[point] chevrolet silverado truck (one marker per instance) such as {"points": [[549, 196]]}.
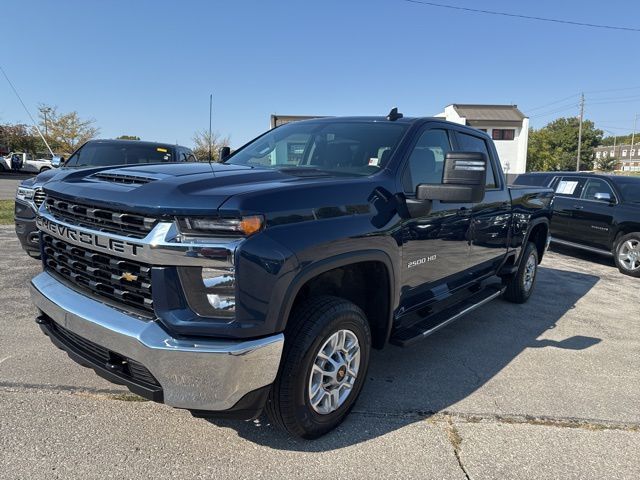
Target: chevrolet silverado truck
{"points": [[598, 213], [265, 281], [29, 194]]}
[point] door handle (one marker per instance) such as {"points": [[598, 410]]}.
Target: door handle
{"points": [[578, 207]]}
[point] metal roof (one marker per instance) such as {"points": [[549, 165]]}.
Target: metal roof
{"points": [[490, 113]]}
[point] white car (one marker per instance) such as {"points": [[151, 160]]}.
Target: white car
{"points": [[27, 163]]}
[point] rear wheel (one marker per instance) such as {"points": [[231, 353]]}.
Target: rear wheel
{"points": [[323, 368], [627, 254], [520, 285]]}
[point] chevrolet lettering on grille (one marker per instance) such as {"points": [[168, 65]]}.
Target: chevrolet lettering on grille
{"points": [[98, 242]]}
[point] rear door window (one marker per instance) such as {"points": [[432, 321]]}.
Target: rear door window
{"points": [[570, 187]]}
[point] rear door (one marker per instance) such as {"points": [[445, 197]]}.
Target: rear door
{"points": [[566, 202], [490, 219], [592, 220]]}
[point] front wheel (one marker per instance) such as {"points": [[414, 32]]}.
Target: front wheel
{"points": [[323, 368], [627, 254], [520, 285]]}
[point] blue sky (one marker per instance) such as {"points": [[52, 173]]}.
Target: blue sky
{"points": [[146, 68]]}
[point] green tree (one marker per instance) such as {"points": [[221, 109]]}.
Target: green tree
{"points": [[65, 131], [555, 146], [201, 142], [620, 140], [127, 137], [607, 164], [20, 138]]}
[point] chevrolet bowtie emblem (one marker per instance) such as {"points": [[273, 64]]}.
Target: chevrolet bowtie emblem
{"points": [[129, 277]]}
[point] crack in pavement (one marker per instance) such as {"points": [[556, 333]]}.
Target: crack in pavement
{"points": [[445, 416], [456, 442], [517, 419]]}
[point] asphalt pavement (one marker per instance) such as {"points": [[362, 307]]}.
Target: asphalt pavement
{"points": [[549, 389], [9, 183]]}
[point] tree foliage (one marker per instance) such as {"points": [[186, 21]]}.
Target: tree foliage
{"points": [[65, 131], [201, 142], [555, 146], [19, 138], [620, 140], [606, 164]]}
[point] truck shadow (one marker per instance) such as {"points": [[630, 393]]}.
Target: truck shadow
{"points": [[411, 384], [583, 255]]}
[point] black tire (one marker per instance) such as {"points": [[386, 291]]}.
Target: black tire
{"points": [[289, 404], [623, 242], [519, 288]]}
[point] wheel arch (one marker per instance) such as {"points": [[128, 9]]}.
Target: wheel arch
{"points": [[378, 308]]}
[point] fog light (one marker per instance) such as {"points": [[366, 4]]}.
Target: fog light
{"points": [[219, 285]]}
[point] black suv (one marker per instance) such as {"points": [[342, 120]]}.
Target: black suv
{"points": [[599, 213], [94, 153]]}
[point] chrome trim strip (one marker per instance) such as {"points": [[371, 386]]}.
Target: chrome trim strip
{"points": [[159, 247], [196, 374], [582, 247], [464, 312]]}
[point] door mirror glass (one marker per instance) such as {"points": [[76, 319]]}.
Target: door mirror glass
{"points": [[603, 197], [463, 179]]}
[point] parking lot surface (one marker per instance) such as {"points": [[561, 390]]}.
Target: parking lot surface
{"points": [[9, 183], [549, 389]]}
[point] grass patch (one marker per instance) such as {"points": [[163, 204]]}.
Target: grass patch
{"points": [[6, 212]]}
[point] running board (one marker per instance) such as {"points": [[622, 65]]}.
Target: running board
{"points": [[582, 247], [433, 323]]}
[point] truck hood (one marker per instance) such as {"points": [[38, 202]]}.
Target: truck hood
{"points": [[175, 189]]}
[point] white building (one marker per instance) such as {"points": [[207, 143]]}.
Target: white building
{"points": [[507, 125]]}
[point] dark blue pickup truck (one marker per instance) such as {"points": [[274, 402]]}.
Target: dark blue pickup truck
{"points": [[264, 282]]}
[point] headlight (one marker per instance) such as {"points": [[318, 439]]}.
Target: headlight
{"points": [[210, 292], [25, 193], [247, 225]]}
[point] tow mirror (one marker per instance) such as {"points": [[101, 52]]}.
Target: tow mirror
{"points": [[603, 197], [463, 180], [224, 153]]}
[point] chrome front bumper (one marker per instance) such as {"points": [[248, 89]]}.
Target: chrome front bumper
{"points": [[197, 374]]}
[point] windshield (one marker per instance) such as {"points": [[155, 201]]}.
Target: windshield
{"points": [[339, 148], [107, 154], [630, 189]]}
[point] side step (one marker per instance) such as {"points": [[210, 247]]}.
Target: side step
{"points": [[433, 323]]}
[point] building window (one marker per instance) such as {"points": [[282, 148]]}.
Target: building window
{"points": [[624, 153], [503, 134]]}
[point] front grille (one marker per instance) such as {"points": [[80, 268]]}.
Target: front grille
{"points": [[101, 219], [38, 197], [102, 275], [101, 356]]}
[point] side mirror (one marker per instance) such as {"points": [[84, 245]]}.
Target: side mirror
{"points": [[463, 181], [224, 153], [603, 197], [56, 162]]}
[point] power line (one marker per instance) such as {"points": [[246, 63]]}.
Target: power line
{"points": [[561, 109], [552, 103], [526, 17], [26, 110]]}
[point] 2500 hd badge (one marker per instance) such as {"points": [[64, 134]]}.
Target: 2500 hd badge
{"points": [[80, 237]]}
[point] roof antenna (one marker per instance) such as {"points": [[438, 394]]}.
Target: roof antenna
{"points": [[394, 115]]}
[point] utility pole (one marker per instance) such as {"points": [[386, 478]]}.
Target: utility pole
{"points": [[633, 135], [580, 131], [210, 115], [46, 110]]}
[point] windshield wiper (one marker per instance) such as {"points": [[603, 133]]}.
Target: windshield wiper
{"points": [[305, 170]]}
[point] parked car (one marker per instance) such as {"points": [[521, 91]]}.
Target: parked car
{"points": [[597, 213], [25, 163], [94, 153], [265, 281]]}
